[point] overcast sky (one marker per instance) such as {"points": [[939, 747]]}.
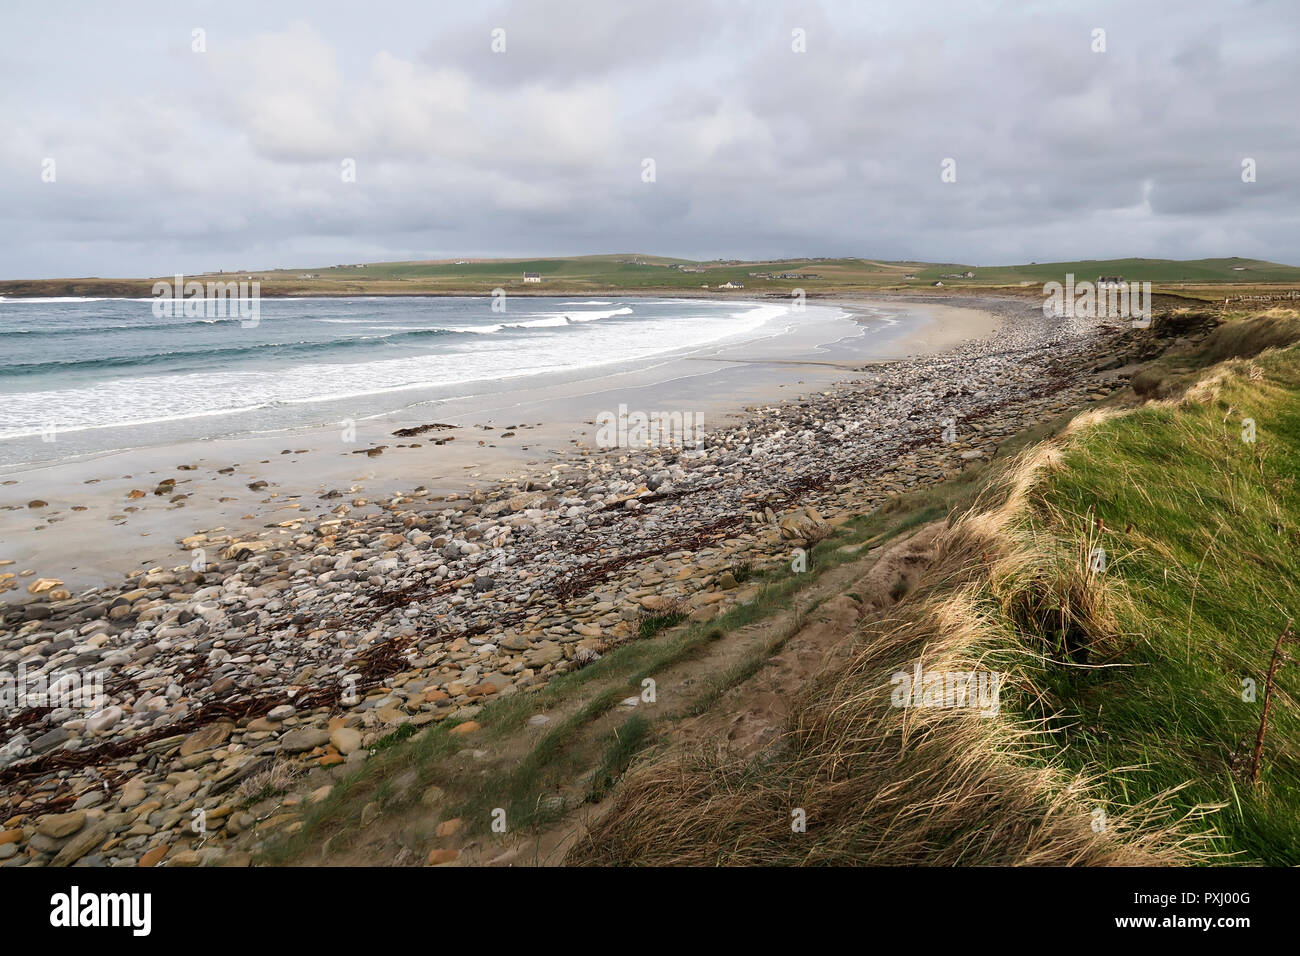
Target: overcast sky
{"points": [[166, 159]]}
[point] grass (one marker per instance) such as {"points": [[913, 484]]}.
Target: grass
{"points": [[1205, 534], [640, 273], [1126, 681], [745, 571], [528, 790], [651, 624], [623, 745]]}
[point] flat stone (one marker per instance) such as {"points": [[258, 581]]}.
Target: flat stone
{"points": [[81, 844], [345, 739], [308, 738], [60, 825], [50, 739], [155, 856], [206, 738]]}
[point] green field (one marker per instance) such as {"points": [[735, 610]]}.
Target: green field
{"points": [[635, 273]]}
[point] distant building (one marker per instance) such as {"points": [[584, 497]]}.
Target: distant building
{"points": [[1107, 281], [936, 282], [732, 285], [532, 277]]}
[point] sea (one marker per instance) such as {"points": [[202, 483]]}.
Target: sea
{"points": [[80, 376]]}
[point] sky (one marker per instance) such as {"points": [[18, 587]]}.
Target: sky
{"points": [[149, 138]]}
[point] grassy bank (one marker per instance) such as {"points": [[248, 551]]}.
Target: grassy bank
{"points": [[1129, 580]]}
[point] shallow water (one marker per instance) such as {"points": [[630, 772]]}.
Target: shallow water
{"points": [[82, 376]]}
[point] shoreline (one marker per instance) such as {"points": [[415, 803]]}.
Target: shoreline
{"points": [[91, 533], [308, 640]]}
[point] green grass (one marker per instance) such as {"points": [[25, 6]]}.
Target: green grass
{"points": [[654, 623], [1139, 270], [623, 745], [631, 271], [641, 273], [1205, 581]]}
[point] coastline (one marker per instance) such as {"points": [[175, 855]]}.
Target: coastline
{"points": [[91, 532], [307, 640]]}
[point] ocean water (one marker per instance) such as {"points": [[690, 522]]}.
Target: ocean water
{"points": [[80, 376]]}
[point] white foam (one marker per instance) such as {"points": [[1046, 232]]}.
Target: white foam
{"points": [[150, 399]]}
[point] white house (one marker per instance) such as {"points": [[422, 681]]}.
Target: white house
{"points": [[532, 277]]}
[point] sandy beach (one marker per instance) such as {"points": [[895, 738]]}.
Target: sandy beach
{"points": [[110, 514], [294, 600]]}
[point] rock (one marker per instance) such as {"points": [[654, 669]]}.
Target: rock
{"points": [[41, 585], [91, 798], [207, 738], [545, 653], [439, 857], [449, 827], [468, 727], [433, 796], [60, 825], [155, 856], [345, 739], [308, 738], [804, 523], [81, 844], [229, 778], [50, 739], [526, 500], [104, 719]]}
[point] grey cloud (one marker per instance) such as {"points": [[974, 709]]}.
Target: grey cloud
{"points": [[174, 160]]}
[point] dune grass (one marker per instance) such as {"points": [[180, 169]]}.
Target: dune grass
{"points": [[1202, 531], [1129, 581]]}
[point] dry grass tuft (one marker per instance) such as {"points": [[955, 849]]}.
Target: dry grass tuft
{"points": [[882, 784]]}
